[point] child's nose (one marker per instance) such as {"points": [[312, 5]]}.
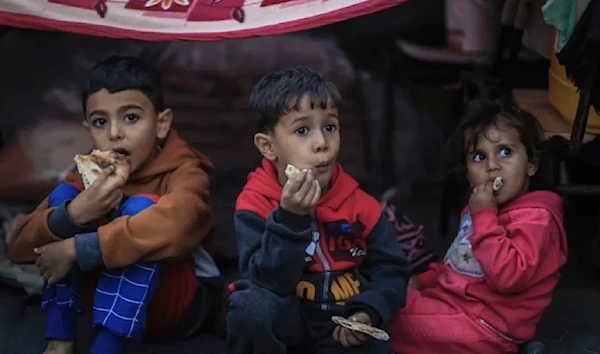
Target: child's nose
{"points": [[320, 143], [115, 132], [493, 164]]}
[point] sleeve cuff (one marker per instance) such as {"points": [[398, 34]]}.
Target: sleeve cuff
{"points": [[483, 220], [484, 213], [87, 249], [60, 223], [294, 221], [427, 279]]}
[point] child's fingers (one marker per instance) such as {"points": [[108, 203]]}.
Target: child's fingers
{"points": [[353, 338], [308, 198], [306, 186], [488, 186], [343, 339], [46, 276], [38, 261], [103, 176], [483, 188], [317, 195], [116, 201], [113, 182], [43, 269], [336, 333], [360, 337], [115, 197], [52, 279], [293, 185]]}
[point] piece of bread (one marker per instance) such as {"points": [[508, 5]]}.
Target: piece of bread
{"points": [[91, 166], [361, 327], [291, 171], [498, 183]]}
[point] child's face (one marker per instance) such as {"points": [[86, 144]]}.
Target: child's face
{"points": [[500, 152], [126, 122], [308, 139]]}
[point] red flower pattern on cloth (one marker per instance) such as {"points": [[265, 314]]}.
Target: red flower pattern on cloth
{"points": [[177, 6], [166, 4]]}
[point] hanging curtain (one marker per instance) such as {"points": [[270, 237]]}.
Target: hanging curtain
{"points": [[168, 20]]}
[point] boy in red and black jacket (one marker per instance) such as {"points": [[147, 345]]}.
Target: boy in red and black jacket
{"points": [[312, 246]]}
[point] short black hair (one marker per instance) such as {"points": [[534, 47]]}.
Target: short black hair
{"points": [[280, 91], [480, 114], [119, 73]]}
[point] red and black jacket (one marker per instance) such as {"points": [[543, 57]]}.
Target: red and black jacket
{"points": [[344, 257]]}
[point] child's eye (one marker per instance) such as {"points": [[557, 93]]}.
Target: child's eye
{"points": [[99, 122], [302, 131], [330, 128], [505, 152], [131, 118], [478, 157]]}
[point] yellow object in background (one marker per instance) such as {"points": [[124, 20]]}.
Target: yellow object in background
{"points": [[564, 97]]}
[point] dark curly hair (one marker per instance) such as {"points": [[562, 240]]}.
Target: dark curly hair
{"points": [[279, 92], [480, 114]]}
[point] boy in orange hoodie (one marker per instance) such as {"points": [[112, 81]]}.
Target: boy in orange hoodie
{"points": [[497, 277], [134, 251]]}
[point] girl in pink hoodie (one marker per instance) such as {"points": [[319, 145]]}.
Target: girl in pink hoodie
{"points": [[490, 290]]}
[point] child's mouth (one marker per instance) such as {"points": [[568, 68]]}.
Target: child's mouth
{"points": [[322, 167], [124, 153]]}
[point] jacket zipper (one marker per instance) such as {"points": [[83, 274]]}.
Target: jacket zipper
{"points": [[502, 335], [326, 267]]}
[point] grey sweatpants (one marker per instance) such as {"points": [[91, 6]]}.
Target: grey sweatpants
{"points": [[261, 322]]}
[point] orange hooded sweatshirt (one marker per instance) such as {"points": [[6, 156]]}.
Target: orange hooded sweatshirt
{"points": [[173, 228]]}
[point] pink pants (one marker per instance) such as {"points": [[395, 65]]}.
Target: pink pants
{"points": [[429, 326]]}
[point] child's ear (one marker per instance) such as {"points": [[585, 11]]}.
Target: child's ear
{"points": [[86, 124], [264, 144], [163, 123], [532, 167]]}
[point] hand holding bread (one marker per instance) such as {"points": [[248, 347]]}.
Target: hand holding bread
{"points": [[301, 192], [104, 174]]}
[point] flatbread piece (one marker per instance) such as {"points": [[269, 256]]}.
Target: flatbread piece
{"points": [[498, 183], [362, 328], [90, 166], [291, 171]]}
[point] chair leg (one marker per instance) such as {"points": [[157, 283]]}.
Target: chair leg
{"points": [[508, 17], [563, 172], [595, 250], [580, 122], [498, 64]]}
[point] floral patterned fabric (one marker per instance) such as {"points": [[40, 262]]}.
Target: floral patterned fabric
{"points": [[183, 19]]}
